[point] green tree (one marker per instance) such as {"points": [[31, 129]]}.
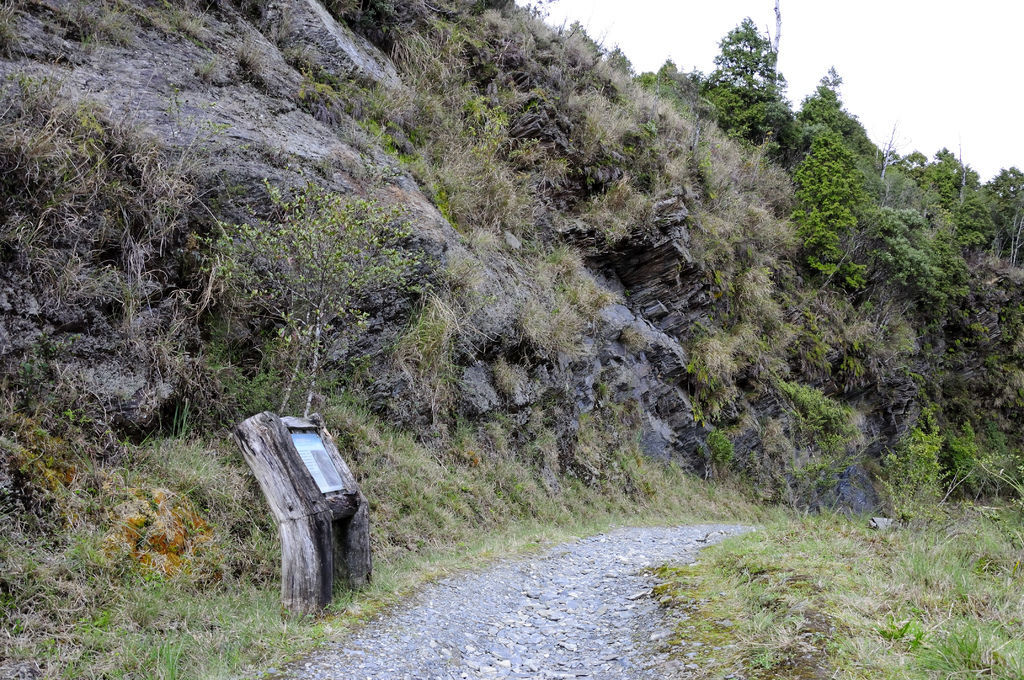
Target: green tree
{"points": [[618, 60], [748, 91], [924, 260], [671, 84], [828, 195], [310, 266], [1005, 194], [972, 220], [823, 111], [945, 178], [953, 190]]}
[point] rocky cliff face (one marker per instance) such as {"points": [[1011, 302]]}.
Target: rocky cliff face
{"points": [[130, 130], [204, 113]]}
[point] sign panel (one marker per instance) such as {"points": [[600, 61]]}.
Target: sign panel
{"points": [[314, 456]]}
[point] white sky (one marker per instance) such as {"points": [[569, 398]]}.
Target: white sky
{"points": [[949, 73]]}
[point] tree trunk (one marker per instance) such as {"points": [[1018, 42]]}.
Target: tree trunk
{"points": [[1018, 238], [303, 519], [295, 371], [323, 536], [315, 366], [889, 151], [963, 176]]}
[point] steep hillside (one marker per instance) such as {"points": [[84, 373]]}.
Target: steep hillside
{"points": [[548, 275]]}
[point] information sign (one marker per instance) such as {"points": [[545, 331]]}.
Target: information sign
{"points": [[314, 455]]}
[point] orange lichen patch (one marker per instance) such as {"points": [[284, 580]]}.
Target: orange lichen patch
{"points": [[161, 530]]}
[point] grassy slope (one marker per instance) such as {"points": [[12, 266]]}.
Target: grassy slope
{"points": [[817, 597]]}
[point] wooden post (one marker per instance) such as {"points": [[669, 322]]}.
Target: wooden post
{"points": [[322, 534], [352, 562]]}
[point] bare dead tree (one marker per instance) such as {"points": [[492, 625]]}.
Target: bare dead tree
{"points": [[778, 29], [890, 155], [963, 173], [889, 152], [1017, 240]]}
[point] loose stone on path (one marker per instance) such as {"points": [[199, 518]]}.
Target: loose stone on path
{"points": [[579, 610]]}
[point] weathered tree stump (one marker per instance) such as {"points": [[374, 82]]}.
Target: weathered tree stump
{"points": [[321, 513]]}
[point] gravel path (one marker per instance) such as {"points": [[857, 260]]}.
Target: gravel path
{"points": [[576, 611]]}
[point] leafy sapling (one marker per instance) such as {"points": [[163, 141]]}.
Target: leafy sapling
{"points": [[309, 267]]}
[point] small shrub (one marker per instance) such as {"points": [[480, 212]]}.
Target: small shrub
{"points": [[960, 455], [721, 449], [913, 471], [821, 421], [322, 101], [310, 268]]}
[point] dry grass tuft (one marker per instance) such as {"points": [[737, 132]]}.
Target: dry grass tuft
{"points": [[553, 331], [564, 301], [249, 57], [95, 209], [619, 212], [8, 28], [98, 22], [633, 339], [508, 378], [207, 71], [188, 22], [715, 360], [424, 351]]}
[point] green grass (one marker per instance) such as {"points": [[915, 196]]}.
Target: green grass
{"points": [[827, 597]]}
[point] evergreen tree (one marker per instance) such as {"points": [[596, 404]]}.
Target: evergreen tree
{"points": [[828, 194], [924, 261], [824, 111], [748, 91], [952, 189]]}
